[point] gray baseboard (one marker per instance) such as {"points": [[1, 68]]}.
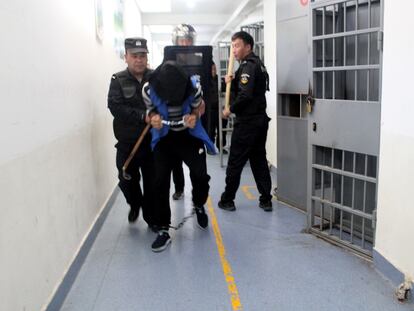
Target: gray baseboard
{"points": [[70, 277], [387, 269]]}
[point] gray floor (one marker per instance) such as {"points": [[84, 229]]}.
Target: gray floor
{"points": [[274, 265]]}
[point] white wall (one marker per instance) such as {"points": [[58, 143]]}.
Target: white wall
{"points": [[254, 16], [269, 14], [395, 226], [57, 163], [132, 17]]}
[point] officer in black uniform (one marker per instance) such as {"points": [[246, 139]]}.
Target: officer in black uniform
{"points": [[128, 108], [248, 141], [183, 35]]}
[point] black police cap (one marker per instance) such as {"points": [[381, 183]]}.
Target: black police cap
{"points": [[136, 45]]}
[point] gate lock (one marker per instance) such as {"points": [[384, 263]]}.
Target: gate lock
{"points": [[310, 101]]}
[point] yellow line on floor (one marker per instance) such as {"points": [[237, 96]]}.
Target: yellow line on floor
{"points": [[228, 274], [247, 193]]}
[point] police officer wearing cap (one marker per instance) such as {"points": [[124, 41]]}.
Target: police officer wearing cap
{"points": [[248, 141], [128, 109]]}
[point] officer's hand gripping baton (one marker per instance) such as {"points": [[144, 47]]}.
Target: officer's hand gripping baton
{"points": [[134, 150]]}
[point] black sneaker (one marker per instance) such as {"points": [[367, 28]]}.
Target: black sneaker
{"points": [[228, 206], [133, 214], [178, 195], [266, 206], [202, 218], [161, 242]]}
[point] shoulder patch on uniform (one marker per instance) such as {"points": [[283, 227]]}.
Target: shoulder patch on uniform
{"points": [[244, 78]]}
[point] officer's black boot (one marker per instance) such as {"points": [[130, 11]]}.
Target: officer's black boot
{"points": [[226, 204], [133, 214], [202, 218], [266, 206]]}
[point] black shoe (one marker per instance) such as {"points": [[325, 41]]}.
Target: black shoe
{"points": [[133, 214], [228, 206], [161, 242], [266, 206], [202, 218], [178, 195]]}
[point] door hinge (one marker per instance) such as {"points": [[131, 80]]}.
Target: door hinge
{"points": [[380, 41], [374, 219]]}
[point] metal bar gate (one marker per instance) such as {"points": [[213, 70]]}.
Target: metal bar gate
{"points": [[345, 74]]}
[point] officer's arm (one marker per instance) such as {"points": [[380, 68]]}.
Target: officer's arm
{"points": [[117, 106], [200, 110], [198, 97], [153, 117], [197, 108], [245, 86], [198, 105], [151, 109]]}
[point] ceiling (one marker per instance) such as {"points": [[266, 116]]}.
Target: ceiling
{"points": [[212, 19]]}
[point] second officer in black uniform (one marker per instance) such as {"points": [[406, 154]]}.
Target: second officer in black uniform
{"points": [[126, 105], [248, 141]]}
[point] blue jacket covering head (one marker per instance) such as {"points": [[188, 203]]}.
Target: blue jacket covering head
{"points": [[170, 84]]}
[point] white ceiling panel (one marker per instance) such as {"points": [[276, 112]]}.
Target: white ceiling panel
{"points": [[212, 19]]}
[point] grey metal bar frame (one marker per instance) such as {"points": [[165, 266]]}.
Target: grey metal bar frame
{"points": [[351, 218]]}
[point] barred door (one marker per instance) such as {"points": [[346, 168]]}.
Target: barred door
{"points": [[223, 55], [344, 123], [256, 30]]}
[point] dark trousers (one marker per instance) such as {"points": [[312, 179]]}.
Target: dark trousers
{"points": [[248, 142], [178, 176], [141, 164], [177, 171], [171, 148], [215, 130]]}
